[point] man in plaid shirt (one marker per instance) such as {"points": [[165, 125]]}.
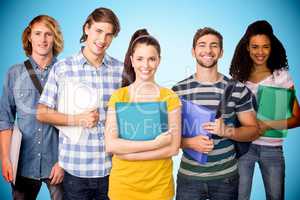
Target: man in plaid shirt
{"points": [[85, 163]]}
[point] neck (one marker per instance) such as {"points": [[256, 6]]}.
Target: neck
{"points": [[42, 60], [260, 68], [207, 74], [94, 60]]}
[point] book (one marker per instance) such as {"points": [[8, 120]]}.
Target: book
{"points": [[275, 103], [141, 121], [193, 116], [15, 146]]}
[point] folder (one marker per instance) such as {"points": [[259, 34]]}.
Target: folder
{"points": [[15, 146], [76, 97], [141, 121], [275, 104], [193, 116]]}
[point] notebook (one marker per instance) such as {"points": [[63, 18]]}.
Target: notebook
{"points": [[275, 104], [193, 116], [141, 120]]}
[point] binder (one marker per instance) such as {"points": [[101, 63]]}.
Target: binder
{"points": [[141, 121], [193, 116], [15, 146], [275, 104]]}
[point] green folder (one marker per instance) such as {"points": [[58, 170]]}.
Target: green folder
{"points": [[141, 121], [275, 104]]}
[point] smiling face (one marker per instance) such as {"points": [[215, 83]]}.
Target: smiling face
{"points": [[259, 49], [207, 51], [42, 40], [145, 60], [99, 38]]}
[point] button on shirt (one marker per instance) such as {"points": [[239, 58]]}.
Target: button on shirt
{"points": [[87, 158], [39, 149]]}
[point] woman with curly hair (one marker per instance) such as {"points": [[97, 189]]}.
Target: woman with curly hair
{"points": [[260, 59]]}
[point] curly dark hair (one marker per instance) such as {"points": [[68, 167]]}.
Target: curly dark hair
{"points": [[242, 65]]}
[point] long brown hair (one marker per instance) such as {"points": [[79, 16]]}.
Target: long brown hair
{"points": [[141, 36]]}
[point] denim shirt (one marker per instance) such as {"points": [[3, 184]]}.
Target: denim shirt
{"points": [[39, 147]]}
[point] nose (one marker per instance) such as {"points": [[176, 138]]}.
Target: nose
{"points": [[207, 49]]}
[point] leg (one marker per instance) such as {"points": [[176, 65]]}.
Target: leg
{"points": [[224, 189], [246, 166], [272, 166], [56, 191], [101, 189], [76, 188], [188, 189], [26, 188]]}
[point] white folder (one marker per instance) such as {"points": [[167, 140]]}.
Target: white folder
{"points": [[15, 146], [75, 97]]}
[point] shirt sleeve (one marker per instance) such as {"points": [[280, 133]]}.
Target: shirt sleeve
{"points": [[246, 101], [7, 103], [115, 97], [50, 91], [172, 100]]}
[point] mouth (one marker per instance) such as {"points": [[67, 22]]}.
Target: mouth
{"points": [[260, 58], [145, 72], [100, 46]]}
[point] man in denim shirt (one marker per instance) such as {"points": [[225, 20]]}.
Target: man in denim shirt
{"points": [[42, 42]]}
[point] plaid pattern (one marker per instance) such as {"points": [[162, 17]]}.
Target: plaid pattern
{"points": [[87, 158]]}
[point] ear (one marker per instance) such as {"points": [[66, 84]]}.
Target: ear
{"points": [[193, 52], [86, 28], [131, 58], [221, 53]]}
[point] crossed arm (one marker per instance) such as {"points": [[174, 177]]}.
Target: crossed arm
{"points": [[164, 146]]}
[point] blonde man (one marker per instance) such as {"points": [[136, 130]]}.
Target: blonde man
{"points": [[42, 42]]}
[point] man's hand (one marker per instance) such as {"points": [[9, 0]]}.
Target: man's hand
{"points": [[88, 119], [7, 172], [201, 143], [219, 128], [56, 175]]}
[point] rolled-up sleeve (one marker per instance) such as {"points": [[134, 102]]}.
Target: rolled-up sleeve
{"points": [[7, 103]]}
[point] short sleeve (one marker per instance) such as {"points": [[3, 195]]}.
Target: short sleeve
{"points": [[49, 95], [246, 100], [283, 78], [117, 96], [171, 98]]}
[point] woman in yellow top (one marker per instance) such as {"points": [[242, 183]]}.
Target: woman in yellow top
{"points": [[142, 170]]}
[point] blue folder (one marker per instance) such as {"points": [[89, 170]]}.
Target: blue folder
{"points": [[141, 120], [193, 116]]}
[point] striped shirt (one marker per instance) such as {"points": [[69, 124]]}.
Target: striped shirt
{"points": [[87, 158], [221, 162], [279, 78]]}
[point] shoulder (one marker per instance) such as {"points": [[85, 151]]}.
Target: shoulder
{"points": [[166, 92], [283, 78], [111, 61], [183, 84]]}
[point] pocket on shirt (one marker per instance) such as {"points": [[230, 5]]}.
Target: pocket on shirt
{"points": [[24, 99]]}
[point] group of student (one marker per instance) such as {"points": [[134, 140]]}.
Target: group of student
{"points": [[105, 166]]}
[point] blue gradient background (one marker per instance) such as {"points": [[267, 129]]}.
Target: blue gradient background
{"points": [[174, 24]]}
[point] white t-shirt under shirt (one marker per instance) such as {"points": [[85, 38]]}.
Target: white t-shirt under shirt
{"points": [[279, 78]]}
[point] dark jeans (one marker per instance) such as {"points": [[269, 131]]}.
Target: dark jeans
{"points": [[272, 166], [76, 188], [221, 189], [28, 189]]}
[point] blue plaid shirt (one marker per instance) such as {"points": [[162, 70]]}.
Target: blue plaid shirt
{"points": [[39, 149], [87, 158]]}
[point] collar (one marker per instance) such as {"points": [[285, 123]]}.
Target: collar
{"points": [[83, 61], [36, 66]]}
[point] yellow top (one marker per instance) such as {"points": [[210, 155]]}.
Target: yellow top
{"points": [[142, 180]]}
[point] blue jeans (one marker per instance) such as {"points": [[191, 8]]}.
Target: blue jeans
{"points": [[272, 166], [76, 188], [28, 189], [221, 189]]}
